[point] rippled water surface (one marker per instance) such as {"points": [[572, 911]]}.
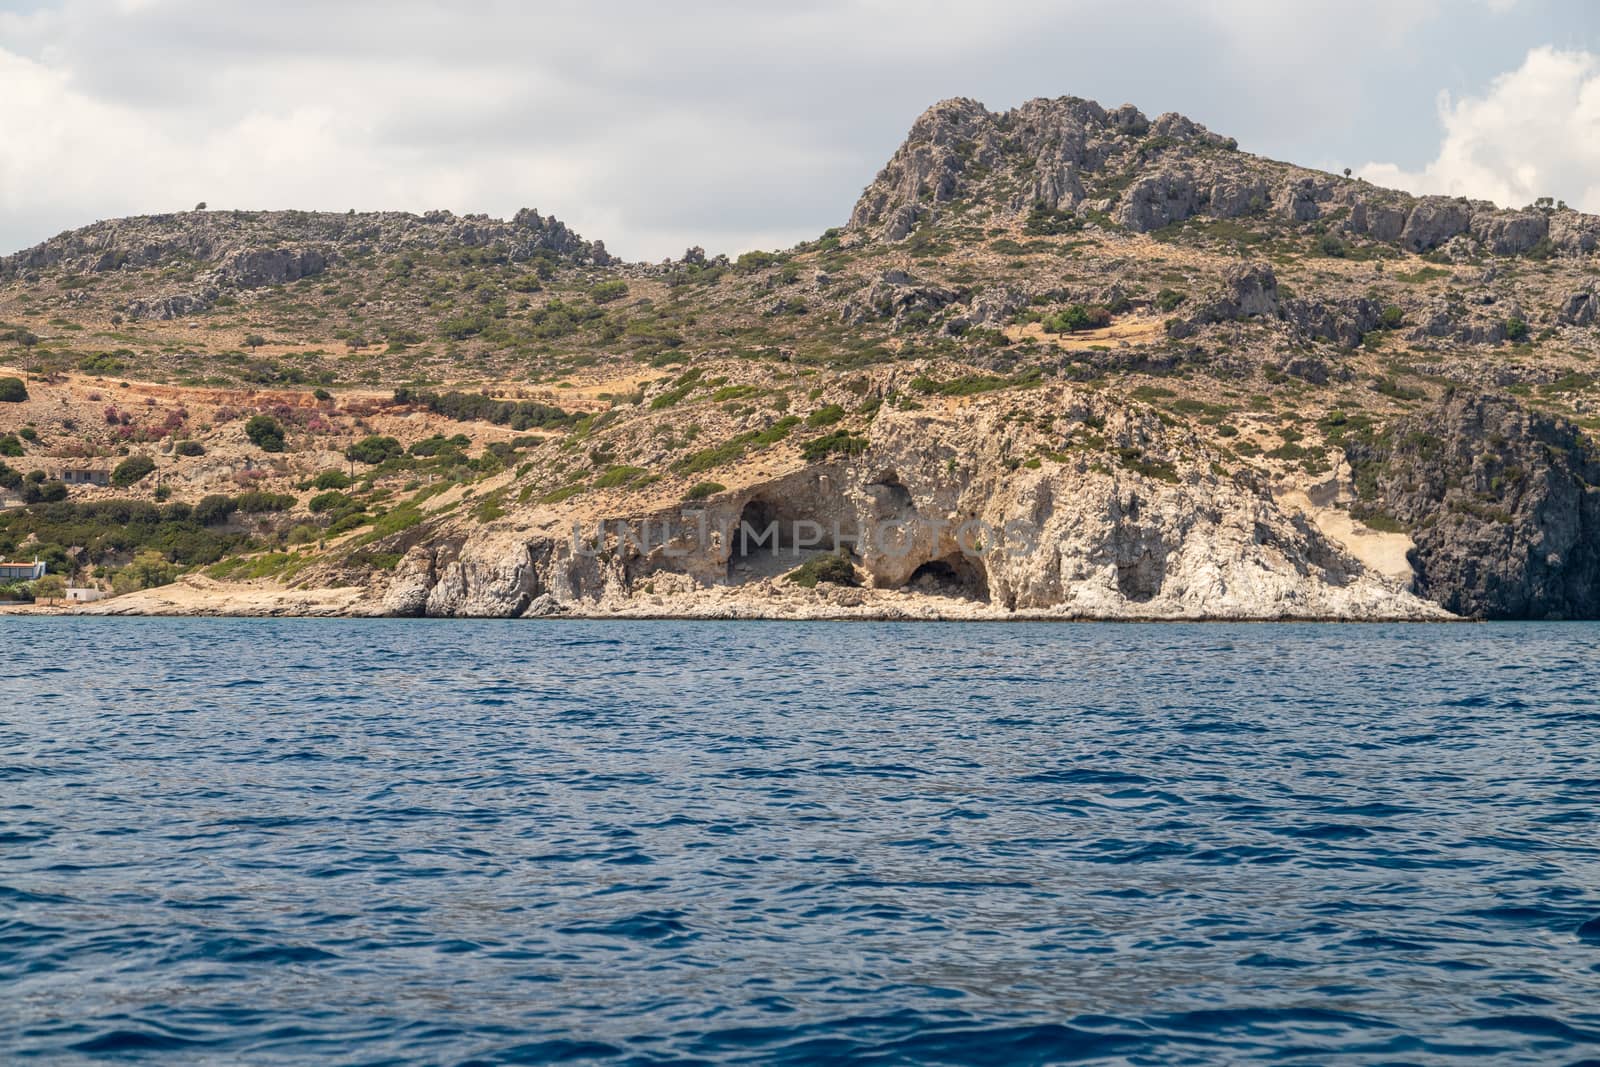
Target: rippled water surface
{"points": [[403, 841]]}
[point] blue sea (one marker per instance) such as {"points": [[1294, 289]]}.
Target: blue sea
{"points": [[413, 842]]}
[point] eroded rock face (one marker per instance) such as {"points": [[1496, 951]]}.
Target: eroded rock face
{"points": [[1504, 504], [1579, 309], [251, 268], [1159, 200], [936, 504], [1510, 233], [1435, 220]]}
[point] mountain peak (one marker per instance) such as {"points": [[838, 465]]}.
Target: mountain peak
{"points": [[1042, 152], [1066, 162]]}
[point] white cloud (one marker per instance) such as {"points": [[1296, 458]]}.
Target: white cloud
{"points": [[730, 124], [1535, 132]]}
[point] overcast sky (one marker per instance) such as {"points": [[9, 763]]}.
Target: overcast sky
{"points": [[737, 124]]}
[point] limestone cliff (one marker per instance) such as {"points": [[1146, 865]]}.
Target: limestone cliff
{"points": [[939, 521]]}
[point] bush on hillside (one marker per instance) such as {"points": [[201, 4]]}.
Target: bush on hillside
{"points": [[265, 432], [132, 471], [374, 449]]}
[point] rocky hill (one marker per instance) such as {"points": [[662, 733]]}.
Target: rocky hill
{"points": [[1190, 381]]}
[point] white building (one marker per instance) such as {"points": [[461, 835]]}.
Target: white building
{"points": [[13, 571]]}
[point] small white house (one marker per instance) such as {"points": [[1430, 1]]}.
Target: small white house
{"points": [[85, 595]]}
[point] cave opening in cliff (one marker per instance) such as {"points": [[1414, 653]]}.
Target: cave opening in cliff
{"points": [[763, 541], [956, 575]]}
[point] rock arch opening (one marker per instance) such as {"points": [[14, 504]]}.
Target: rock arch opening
{"points": [[955, 575], [763, 540]]}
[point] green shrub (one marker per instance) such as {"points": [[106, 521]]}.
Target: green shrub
{"points": [[701, 490], [1075, 318], [103, 362], [840, 441], [43, 492], [833, 568], [331, 479], [328, 501], [1383, 523], [1516, 330], [132, 471], [378, 561], [566, 492], [256, 502], [12, 391], [478, 407], [374, 449], [213, 510], [1392, 317], [1169, 299], [825, 416], [606, 292], [10, 445], [672, 396], [749, 262], [439, 443], [347, 522], [189, 448], [265, 432], [618, 476]]}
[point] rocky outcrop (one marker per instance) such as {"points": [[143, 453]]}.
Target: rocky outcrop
{"points": [[1158, 200], [1342, 322], [936, 506], [251, 268], [253, 248], [1574, 232], [176, 306], [895, 295], [1069, 154], [1434, 221], [1377, 218], [1509, 233], [957, 147], [1457, 321], [1249, 290], [1579, 309], [1504, 505]]}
